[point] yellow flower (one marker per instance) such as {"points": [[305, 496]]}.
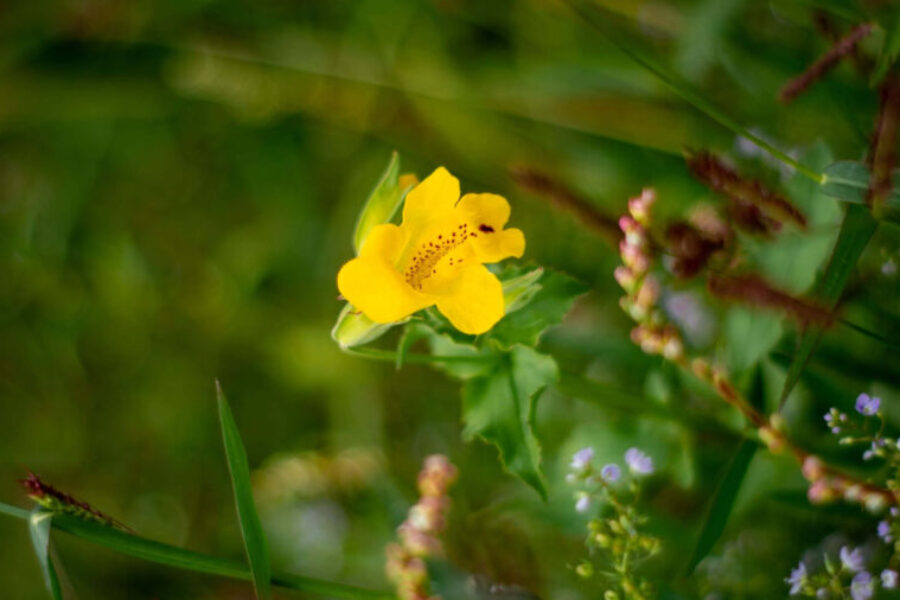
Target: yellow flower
{"points": [[435, 257]]}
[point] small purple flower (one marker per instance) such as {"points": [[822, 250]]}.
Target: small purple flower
{"points": [[822, 594], [852, 560], [638, 462], [895, 511], [867, 405], [582, 458], [611, 473], [583, 503], [889, 579], [797, 579], [862, 587], [884, 532]]}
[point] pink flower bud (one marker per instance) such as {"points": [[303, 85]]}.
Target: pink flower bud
{"points": [[813, 469], [625, 278]]}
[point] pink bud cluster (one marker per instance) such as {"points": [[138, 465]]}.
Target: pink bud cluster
{"points": [[642, 289], [827, 486], [419, 533]]}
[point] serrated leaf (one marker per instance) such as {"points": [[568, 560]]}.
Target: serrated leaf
{"points": [[383, 201], [500, 407], [251, 527], [547, 307], [39, 522], [848, 180], [857, 229], [473, 361]]}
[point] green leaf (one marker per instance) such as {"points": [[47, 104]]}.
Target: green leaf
{"points": [[848, 180], [547, 307], [39, 522], [723, 502], [500, 408], [747, 336], [857, 229], [251, 527], [164, 554], [791, 260], [383, 201]]}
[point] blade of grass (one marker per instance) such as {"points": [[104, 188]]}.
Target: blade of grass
{"points": [[39, 522], [723, 502], [164, 554], [251, 527], [601, 20], [857, 229], [727, 491]]}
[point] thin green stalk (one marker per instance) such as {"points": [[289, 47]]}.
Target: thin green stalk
{"points": [[682, 89], [391, 356], [164, 554]]}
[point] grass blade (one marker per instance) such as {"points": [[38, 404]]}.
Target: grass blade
{"points": [[39, 522], [857, 229], [251, 527], [723, 502], [171, 556]]}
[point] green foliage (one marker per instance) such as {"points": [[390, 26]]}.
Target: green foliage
{"points": [[848, 180], [39, 522], [528, 319], [723, 502], [792, 259], [857, 229], [164, 554], [251, 527], [383, 202], [500, 408]]}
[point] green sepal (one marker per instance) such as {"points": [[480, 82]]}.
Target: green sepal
{"points": [[383, 201], [353, 328]]}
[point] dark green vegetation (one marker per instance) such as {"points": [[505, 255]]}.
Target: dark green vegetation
{"points": [[179, 183]]}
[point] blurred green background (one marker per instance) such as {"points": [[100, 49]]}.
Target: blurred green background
{"points": [[178, 186]]}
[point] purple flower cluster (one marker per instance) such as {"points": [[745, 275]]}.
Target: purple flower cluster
{"points": [[867, 405], [638, 462]]}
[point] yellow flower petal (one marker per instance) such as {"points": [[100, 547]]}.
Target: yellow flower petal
{"points": [[431, 200], [385, 241], [485, 209], [474, 302], [374, 286], [494, 247], [371, 282]]}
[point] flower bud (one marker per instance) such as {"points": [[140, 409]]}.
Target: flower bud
{"points": [[584, 570], [355, 329], [813, 469]]}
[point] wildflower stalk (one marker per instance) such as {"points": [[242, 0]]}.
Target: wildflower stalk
{"points": [[844, 46], [656, 336], [883, 153]]}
